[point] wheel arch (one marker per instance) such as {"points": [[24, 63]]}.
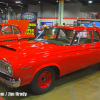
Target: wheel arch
{"points": [[55, 67]]}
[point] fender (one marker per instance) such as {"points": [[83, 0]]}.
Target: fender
{"points": [[43, 66]]}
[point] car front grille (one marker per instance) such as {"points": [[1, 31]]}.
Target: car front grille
{"points": [[2, 65]]}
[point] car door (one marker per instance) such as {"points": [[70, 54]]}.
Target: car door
{"points": [[82, 51], [96, 40]]}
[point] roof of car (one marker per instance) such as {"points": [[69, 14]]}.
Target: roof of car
{"points": [[75, 28]]}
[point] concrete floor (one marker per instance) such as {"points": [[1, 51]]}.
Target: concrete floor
{"points": [[81, 85]]}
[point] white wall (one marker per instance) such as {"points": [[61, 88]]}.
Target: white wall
{"points": [[48, 12]]}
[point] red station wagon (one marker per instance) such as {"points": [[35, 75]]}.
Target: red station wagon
{"points": [[55, 52], [14, 30]]}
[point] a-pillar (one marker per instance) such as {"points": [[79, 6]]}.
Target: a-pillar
{"points": [[61, 10]]}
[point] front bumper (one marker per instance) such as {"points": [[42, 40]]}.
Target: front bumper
{"points": [[13, 83]]}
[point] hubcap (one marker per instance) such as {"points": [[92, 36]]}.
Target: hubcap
{"points": [[44, 79]]}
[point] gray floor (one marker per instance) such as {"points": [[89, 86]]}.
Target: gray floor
{"points": [[81, 85]]}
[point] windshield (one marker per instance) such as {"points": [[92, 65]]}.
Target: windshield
{"points": [[56, 36]]}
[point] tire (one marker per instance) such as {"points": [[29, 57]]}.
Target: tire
{"points": [[42, 81], [98, 66]]}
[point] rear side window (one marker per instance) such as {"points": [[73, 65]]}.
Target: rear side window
{"points": [[7, 30], [83, 37], [96, 36]]}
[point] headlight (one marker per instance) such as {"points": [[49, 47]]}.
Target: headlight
{"points": [[8, 69], [5, 68]]}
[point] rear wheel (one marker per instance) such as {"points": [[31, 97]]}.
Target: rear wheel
{"points": [[43, 80]]}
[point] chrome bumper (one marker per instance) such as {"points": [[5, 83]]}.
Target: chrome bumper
{"points": [[13, 83]]}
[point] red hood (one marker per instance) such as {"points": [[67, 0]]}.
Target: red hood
{"points": [[22, 23], [31, 49]]}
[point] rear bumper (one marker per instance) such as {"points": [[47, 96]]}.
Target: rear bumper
{"points": [[13, 83]]}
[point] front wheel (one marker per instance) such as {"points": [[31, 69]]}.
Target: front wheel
{"points": [[43, 80]]}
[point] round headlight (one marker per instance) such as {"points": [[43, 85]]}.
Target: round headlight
{"points": [[9, 70]]}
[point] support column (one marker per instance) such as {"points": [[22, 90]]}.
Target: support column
{"points": [[61, 10], [8, 13]]}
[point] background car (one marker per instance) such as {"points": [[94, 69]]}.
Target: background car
{"points": [[14, 30]]}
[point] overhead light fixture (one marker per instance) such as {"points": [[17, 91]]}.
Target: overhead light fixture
{"points": [[57, 1], [39, 1], [17, 1], [90, 1]]}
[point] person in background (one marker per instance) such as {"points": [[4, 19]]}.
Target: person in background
{"points": [[94, 25], [44, 26], [82, 25], [82, 34], [56, 24]]}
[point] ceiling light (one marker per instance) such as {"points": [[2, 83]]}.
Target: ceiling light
{"points": [[57, 1], [39, 1], [89, 1], [17, 1]]}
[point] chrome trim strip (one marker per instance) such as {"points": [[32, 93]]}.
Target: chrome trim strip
{"points": [[13, 83]]}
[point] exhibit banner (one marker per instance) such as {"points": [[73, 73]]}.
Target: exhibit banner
{"points": [[88, 22], [32, 16]]}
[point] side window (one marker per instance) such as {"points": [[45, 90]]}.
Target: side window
{"points": [[16, 30], [66, 34], [62, 34], [7, 30], [83, 37], [96, 36]]}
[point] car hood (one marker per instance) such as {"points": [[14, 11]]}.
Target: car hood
{"points": [[32, 48], [22, 23]]}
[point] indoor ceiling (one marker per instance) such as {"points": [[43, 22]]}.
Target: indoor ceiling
{"points": [[90, 2], [24, 3]]}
